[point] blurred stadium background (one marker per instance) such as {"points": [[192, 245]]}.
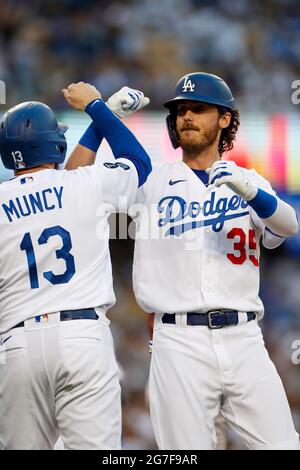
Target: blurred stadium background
{"points": [[150, 44]]}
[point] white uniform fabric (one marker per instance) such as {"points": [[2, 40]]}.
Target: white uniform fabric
{"points": [[59, 376], [65, 218], [197, 249]]}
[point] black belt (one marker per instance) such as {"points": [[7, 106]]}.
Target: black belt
{"points": [[213, 319], [66, 315]]}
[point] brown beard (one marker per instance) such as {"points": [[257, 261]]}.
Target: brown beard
{"points": [[208, 139]]}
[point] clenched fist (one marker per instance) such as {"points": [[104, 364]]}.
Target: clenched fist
{"points": [[236, 178], [80, 94]]}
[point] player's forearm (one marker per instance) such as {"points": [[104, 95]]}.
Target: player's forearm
{"points": [[284, 220], [85, 152], [277, 215], [121, 140]]}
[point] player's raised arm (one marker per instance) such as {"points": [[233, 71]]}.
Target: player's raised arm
{"points": [[275, 214], [122, 103]]}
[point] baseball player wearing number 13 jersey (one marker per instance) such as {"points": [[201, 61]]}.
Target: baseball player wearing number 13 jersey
{"points": [[196, 265], [58, 373]]}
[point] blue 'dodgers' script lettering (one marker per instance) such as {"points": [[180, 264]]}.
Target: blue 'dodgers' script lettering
{"points": [[175, 209]]}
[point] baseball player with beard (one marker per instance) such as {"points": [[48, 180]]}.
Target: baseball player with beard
{"points": [[200, 222], [198, 270], [58, 372]]}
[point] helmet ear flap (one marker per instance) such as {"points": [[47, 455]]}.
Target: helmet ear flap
{"points": [[171, 126]]}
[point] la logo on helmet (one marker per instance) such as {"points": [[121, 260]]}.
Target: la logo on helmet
{"points": [[188, 85]]}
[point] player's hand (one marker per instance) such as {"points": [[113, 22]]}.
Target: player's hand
{"points": [[227, 172], [80, 94], [126, 101]]}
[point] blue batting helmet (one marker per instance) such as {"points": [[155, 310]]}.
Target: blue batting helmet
{"points": [[30, 136], [198, 86]]}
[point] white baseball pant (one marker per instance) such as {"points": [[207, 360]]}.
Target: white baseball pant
{"points": [[59, 378], [196, 372]]}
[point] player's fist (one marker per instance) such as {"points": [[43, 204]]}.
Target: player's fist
{"points": [[80, 94], [227, 172], [126, 101]]}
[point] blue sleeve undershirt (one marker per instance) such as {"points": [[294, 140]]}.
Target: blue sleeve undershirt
{"points": [[92, 138], [264, 204]]}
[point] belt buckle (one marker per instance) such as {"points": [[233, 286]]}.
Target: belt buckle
{"points": [[210, 319]]}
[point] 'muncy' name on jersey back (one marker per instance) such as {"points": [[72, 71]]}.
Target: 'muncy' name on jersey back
{"points": [[197, 246], [54, 239]]}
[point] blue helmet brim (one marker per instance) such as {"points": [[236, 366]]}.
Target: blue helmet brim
{"points": [[203, 99]]}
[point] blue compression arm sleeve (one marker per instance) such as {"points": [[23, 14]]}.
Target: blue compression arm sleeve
{"points": [[92, 138], [121, 140], [264, 204]]}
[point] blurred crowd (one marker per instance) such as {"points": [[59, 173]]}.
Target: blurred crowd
{"points": [[150, 44]]}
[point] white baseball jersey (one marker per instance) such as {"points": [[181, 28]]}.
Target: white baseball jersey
{"points": [[54, 239], [197, 246]]}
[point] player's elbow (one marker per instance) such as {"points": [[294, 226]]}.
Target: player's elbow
{"points": [[294, 227], [292, 224], [284, 221], [142, 164], [290, 227]]}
